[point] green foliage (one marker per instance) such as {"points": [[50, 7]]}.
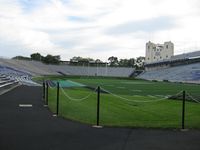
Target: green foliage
{"points": [[80, 60], [127, 62], [36, 56], [113, 61], [49, 59], [21, 58], [139, 65], [123, 62]]}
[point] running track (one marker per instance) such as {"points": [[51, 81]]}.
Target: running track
{"points": [[35, 129]]}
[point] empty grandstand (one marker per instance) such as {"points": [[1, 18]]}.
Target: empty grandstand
{"points": [[6, 83], [30, 67], [180, 68], [10, 77], [38, 68]]}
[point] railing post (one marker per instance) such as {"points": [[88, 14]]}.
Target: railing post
{"points": [[98, 104], [43, 90], [183, 111], [47, 93], [57, 108]]}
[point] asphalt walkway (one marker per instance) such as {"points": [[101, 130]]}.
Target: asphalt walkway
{"points": [[34, 128]]}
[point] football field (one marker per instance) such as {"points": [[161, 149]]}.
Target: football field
{"points": [[126, 102]]}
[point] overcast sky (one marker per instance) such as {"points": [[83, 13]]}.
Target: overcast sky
{"points": [[97, 28]]}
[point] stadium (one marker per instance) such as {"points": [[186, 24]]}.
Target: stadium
{"points": [[163, 96], [99, 75], [127, 98]]}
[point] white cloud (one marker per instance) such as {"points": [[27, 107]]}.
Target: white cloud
{"points": [[78, 28]]}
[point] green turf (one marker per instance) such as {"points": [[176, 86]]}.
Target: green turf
{"points": [[140, 87], [140, 110], [68, 83], [131, 87]]}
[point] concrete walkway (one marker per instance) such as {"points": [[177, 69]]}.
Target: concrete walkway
{"points": [[34, 128]]}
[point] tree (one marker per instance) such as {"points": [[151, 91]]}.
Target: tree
{"points": [[140, 63], [123, 62], [98, 61], [127, 62], [36, 56], [131, 62], [113, 61], [75, 59], [80, 60], [49, 59]]}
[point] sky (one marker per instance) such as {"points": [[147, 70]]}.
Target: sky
{"points": [[97, 28]]}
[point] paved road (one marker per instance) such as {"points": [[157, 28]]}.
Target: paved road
{"points": [[35, 129]]}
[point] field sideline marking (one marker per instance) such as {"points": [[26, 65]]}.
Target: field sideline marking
{"points": [[109, 85], [136, 90], [159, 95], [120, 87], [138, 96], [151, 96], [25, 105], [136, 83]]}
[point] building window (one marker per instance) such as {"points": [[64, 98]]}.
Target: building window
{"points": [[154, 57], [148, 47], [166, 46], [148, 58], [160, 57], [167, 56]]}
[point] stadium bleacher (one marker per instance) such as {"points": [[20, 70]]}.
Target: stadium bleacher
{"points": [[186, 55], [6, 83], [15, 72], [38, 68], [29, 67], [10, 77], [180, 68], [92, 71], [186, 69], [185, 73]]}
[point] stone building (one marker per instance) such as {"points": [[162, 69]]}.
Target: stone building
{"points": [[158, 52]]}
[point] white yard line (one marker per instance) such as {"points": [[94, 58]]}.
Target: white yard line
{"points": [[136, 90], [121, 87]]}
